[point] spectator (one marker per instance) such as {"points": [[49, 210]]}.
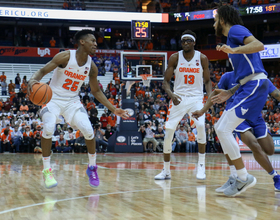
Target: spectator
{"points": [[65, 5], [62, 144], [24, 108], [27, 139], [119, 44], [37, 143], [17, 81], [112, 121], [191, 141], [149, 137], [182, 137], [6, 141], [11, 86], [24, 88], [277, 116], [108, 65], [78, 5], [52, 42], [70, 137], [104, 121], [16, 137], [38, 131], [80, 143], [4, 87], [159, 135], [99, 138], [3, 77]]}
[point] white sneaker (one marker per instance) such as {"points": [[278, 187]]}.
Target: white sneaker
{"points": [[163, 175], [230, 181], [200, 175]]}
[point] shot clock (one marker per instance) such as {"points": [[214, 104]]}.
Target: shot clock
{"points": [[140, 30]]}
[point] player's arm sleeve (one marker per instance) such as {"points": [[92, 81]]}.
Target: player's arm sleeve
{"points": [[238, 33]]}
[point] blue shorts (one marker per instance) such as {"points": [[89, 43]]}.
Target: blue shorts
{"points": [[258, 128], [249, 99]]}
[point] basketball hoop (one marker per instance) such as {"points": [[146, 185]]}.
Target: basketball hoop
{"points": [[146, 79]]}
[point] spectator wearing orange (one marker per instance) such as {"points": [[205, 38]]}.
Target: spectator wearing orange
{"points": [[269, 104], [6, 141], [271, 117], [38, 130], [277, 116], [90, 105], [1, 104], [275, 128], [215, 119], [150, 46], [52, 42], [111, 99], [208, 117], [3, 77], [24, 108], [112, 120], [24, 87], [110, 85], [77, 134], [113, 91], [191, 140], [7, 127], [11, 86], [65, 5], [27, 132], [104, 121], [12, 95]]}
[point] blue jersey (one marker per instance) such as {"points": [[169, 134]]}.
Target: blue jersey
{"points": [[243, 64], [226, 82]]}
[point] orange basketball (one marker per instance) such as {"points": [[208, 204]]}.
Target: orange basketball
{"points": [[41, 94]]}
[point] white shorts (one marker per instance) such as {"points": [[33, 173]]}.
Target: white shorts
{"points": [[65, 106], [187, 105]]}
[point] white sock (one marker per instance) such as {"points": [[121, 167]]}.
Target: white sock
{"points": [[47, 162], [232, 171], [242, 174], [92, 159], [201, 158], [273, 173], [167, 167]]}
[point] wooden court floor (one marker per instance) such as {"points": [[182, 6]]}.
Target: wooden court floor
{"points": [[128, 190]]}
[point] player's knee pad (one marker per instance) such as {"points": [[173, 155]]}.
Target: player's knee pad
{"points": [[201, 135], [167, 145], [82, 122], [49, 121]]}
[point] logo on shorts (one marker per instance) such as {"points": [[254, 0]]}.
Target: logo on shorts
{"points": [[121, 139], [244, 111], [130, 111]]}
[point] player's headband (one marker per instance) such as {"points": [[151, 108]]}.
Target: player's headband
{"points": [[188, 35]]}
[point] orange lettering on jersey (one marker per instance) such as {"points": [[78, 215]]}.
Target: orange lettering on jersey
{"points": [[189, 70], [74, 75]]}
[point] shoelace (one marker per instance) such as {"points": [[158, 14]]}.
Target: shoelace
{"points": [[93, 175]]}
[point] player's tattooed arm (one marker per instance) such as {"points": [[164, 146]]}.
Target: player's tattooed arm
{"points": [[172, 64], [224, 95], [276, 94], [61, 59]]}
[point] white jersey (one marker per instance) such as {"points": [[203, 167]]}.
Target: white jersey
{"points": [[66, 82], [189, 76]]}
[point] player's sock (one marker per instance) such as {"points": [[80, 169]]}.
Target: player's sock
{"points": [[201, 158], [167, 167], [273, 173], [92, 159], [47, 162], [242, 174], [233, 171]]}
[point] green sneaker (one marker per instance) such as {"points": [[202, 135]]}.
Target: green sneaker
{"points": [[50, 182]]}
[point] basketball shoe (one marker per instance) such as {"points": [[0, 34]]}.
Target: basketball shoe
{"points": [[163, 175], [93, 176], [226, 185], [200, 175], [240, 186], [50, 182], [276, 180]]}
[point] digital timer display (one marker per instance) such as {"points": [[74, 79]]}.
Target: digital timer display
{"points": [[140, 30], [260, 9]]}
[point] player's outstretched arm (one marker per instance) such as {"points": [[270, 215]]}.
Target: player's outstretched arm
{"points": [[172, 63], [276, 94], [60, 59], [206, 74], [98, 94], [251, 45], [224, 95]]}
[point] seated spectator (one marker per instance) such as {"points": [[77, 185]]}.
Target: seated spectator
{"points": [[108, 132], [27, 139], [99, 138], [191, 141], [38, 131], [24, 108], [52, 42], [80, 143], [174, 143], [37, 143], [65, 5], [182, 137], [62, 144], [70, 137], [16, 139], [159, 135], [104, 121], [112, 121], [58, 130], [149, 137], [6, 141]]}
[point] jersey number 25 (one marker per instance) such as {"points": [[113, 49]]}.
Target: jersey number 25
{"points": [[68, 83]]}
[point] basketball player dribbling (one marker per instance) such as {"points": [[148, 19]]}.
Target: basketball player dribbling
{"points": [[70, 70], [191, 70]]}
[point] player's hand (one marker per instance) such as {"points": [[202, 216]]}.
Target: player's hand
{"points": [[31, 82], [176, 99], [122, 113], [196, 114], [225, 48], [222, 96]]}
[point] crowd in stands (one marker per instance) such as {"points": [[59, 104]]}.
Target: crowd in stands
{"points": [[74, 5], [21, 127], [160, 6]]}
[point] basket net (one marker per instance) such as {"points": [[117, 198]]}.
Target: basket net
{"points": [[146, 79]]}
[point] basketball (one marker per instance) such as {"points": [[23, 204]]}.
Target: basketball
{"points": [[41, 94]]}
